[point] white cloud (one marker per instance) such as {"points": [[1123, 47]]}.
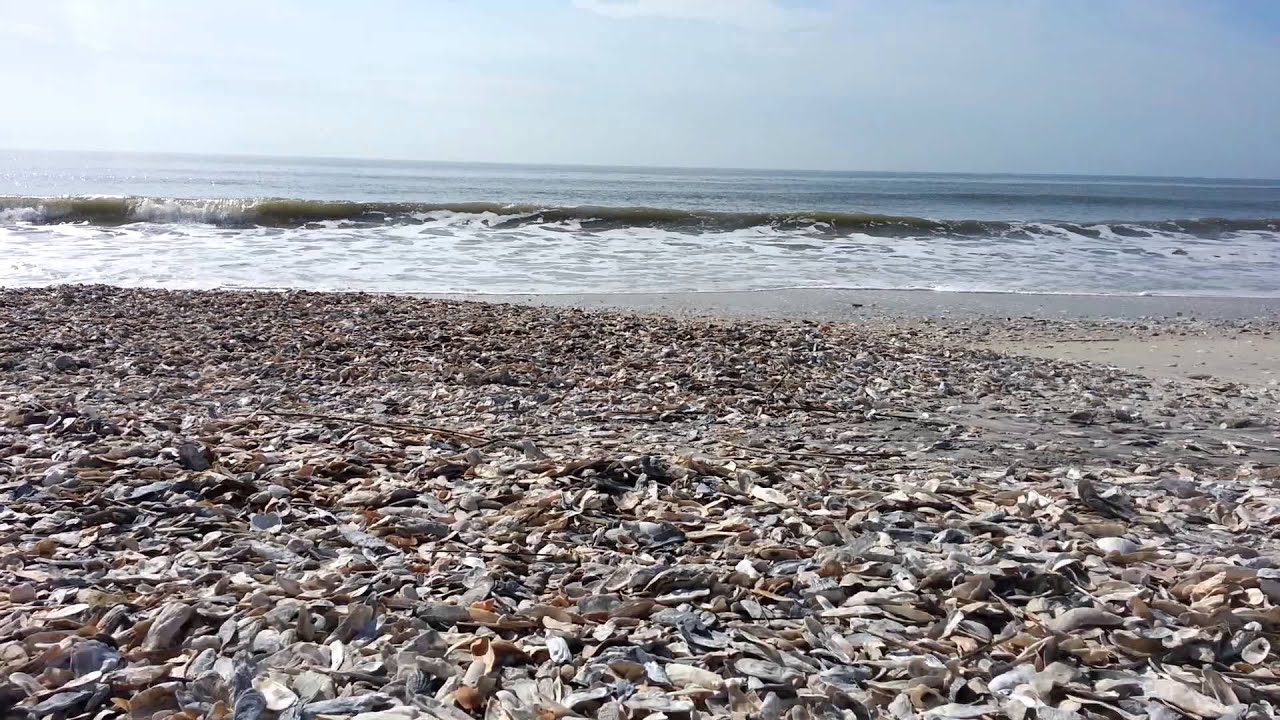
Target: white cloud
{"points": [[983, 85], [752, 14], [22, 29]]}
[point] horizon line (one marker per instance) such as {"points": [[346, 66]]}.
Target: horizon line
{"points": [[603, 166]]}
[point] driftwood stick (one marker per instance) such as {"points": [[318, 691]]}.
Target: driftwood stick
{"points": [[374, 423]]}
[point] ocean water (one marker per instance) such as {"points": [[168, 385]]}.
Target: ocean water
{"points": [[185, 221]]}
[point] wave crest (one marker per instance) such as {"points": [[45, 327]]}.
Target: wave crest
{"points": [[292, 213]]}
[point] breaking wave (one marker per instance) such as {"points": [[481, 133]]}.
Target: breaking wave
{"points": [[486, 247], [283, 213]]}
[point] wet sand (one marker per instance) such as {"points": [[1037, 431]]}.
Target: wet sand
{"points": [[820, 304], [1195, 338], [1211, 355]]}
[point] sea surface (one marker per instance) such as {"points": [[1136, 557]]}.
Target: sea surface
{"points": [[188, 221]]}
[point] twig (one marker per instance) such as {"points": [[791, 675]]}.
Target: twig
{"points": [[502, 553], [1026, 616], [907, 644], [816, 453], [374, 423], [940, 422], [786, 371], [987, 646]]}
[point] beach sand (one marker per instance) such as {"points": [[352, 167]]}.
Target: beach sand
{"points": [[1206, 355], [851, 305], [711, 504], [1187, 338]]}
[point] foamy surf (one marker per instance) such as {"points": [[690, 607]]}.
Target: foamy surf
{"points": [[496, 248], [392, 226], [277, 212]]}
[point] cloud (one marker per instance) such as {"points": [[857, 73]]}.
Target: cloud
{"points": [[750, 14], [983, 85], [22, 29]]}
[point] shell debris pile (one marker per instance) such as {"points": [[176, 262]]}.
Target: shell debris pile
{"points": [[311, 506]]}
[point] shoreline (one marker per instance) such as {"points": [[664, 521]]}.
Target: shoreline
{"points": [[845, 305], [830, 304], [1193, 338], [1166, 337]]}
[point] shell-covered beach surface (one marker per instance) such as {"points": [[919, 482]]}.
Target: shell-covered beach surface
{"points": [[305, 505]]}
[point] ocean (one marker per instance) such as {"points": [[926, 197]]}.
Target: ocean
{"points": [[188, 221]]}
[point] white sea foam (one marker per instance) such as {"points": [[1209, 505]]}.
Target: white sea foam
{"points": [[444, 251], [189, 211]]}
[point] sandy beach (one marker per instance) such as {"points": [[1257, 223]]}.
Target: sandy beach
{"points": [[640, 360], [1162, 337], [851, 305], [824, 504]]}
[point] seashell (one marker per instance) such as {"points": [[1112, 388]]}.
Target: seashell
{"points": [[1084, 617], [687, 675], [1256, 652], [60, 702], [560, 652], [22, 593], [250, 705], [301, 506], [350, 705], [93, 656], [576, 700], [156, 699], [1117, 545], [767, 671], [165, 629], [266, 522], [312, 685], [658, 702], [275, 694]]}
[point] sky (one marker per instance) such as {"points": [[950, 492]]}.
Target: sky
{"points": [[1145, 87]]}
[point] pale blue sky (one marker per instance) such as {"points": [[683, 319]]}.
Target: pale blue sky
{"points": [[1181, 87]]}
